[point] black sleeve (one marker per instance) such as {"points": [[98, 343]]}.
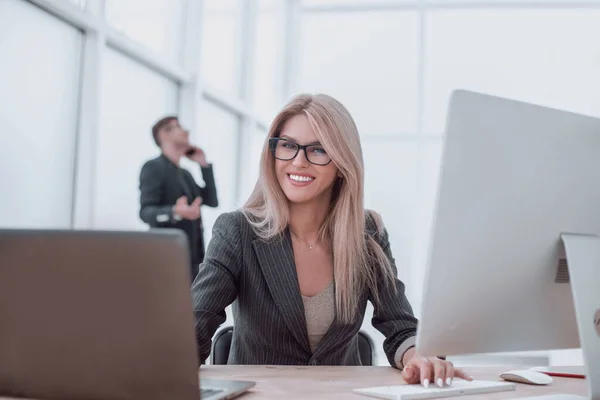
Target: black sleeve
{"points": [[152, 211], [209, 191]]}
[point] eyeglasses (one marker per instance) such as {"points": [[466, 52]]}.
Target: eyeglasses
{"points": [[285, 150]]}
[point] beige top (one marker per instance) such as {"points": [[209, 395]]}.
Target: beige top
{"points": [[320, 313]]}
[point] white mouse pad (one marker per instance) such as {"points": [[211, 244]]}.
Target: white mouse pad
{"points": [[458, 388]]}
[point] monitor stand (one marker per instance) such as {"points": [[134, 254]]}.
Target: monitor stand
{"points": [[583, 262]]}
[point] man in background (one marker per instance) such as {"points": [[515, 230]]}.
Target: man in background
{"points": [[169, 196]]}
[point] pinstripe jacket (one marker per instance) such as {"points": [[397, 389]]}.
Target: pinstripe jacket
{"points": [[270, 326]]}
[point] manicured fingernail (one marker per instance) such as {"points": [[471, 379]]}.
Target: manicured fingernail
{"points": [[448, 381], [440, 382], [426, 383]]}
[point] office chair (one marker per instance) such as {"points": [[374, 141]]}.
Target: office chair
{"points": [[222, 345], [366, 348]]}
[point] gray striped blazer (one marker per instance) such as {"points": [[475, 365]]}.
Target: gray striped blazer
{"points": [[270, 325]]}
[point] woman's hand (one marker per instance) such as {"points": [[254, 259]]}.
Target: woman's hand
{"points": [[426, 370]]}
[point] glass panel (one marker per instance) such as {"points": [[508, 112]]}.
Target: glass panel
{"points": [[366, 60], [156, 24], [554, 64], [220, 44], [39, 81], [133, 98], [268, 68], [218, 137]]}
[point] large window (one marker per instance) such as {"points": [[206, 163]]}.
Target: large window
{"points": [[133, 99], [155, 24], [102, 73], [38, 116]]}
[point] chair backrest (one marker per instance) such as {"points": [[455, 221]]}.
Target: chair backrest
{"points": [[366, 348], [222, 345]]}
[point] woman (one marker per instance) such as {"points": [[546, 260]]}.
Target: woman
{"points": [[303, 257]]}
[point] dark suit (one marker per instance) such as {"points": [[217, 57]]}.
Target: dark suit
{"points": [[270, 325], [161, 184]]}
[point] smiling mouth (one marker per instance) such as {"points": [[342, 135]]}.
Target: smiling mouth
{"points": [[301, 178]]}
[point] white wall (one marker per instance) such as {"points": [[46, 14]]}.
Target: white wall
{"points": [[368, 61], [554, 64]]}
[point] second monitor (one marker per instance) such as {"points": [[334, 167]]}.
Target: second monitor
{"points": [[514, 178]]}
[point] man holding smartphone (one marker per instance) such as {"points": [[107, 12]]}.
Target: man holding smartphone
{"points": [[169, 196]]}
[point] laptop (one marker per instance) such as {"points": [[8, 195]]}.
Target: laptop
{"points": [[99, 315]]}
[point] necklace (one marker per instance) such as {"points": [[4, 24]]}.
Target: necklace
{"points": [[310, 246]]}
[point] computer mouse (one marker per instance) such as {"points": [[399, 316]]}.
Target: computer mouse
{"points": [[526, 376]]}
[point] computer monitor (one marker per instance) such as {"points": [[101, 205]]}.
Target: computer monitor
{"points": [[514, 177]]}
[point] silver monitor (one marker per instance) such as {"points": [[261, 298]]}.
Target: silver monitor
{"points": [[514, 178]]}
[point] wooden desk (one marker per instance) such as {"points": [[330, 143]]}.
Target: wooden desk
{"points": [[287, 382]]}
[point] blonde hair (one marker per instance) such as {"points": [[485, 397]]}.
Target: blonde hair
{"points": [[359, 262]]}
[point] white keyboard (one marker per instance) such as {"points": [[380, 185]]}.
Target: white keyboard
{"points": [[459, 387]]}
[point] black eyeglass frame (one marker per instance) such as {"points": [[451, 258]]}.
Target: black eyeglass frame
{"points": [[273, 146]]}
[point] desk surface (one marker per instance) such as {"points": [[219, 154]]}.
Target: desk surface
{"points": [[299, 382]]}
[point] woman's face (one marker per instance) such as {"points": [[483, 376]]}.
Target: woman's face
{"points": [[301, 180]]}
